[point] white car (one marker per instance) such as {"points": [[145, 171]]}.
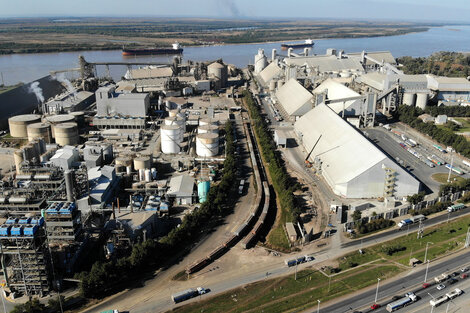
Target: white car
{"points": [[440, 286], [463, 270]]}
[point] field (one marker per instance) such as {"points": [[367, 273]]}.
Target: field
{"points": [[354, 271], [442, 177], [48, 35]]}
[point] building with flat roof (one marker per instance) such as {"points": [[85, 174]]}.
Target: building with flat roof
{"points": [[182, 189], [110, 103]]}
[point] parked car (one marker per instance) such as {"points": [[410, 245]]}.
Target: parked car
{"points": [[440, 286]]}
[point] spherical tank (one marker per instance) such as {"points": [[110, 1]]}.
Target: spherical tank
{"points": [[208, 121], [39, 130], [218, 70], [142, 163], [18, 157], [178, 121], [207, 145], [18, 124], [207, 129], [409, 98], [421, 100], [171, 137], [59, 119], [66, 134]]}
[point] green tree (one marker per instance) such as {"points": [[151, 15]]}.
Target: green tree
{"points": [[31, 306], [357, 215]]}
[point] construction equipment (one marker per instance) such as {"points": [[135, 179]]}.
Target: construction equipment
{"points": [[307, 162]]}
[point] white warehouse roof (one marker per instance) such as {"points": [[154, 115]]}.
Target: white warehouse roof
{"points": [[271, 71], [294, 98], [181, 186], [448, 83], [327, 63], [336, 91], [351, 165], [379, 56]]}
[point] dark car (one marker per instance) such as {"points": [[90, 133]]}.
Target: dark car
{"points": [[455, 274], [452, 281]]}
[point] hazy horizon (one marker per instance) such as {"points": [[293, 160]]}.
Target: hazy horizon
{"points": [[454, 11]]}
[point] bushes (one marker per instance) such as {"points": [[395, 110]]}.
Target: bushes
{"points": [[437, 207], [374, 225], [416, 198], [280, 179], [391, 250]]}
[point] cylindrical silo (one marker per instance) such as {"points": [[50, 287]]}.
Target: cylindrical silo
{"points": [[18, 124], [142, 162], [179, 121], [272, 85], [273, 55], [69, 185], [207, 129], [59, 119], [289, 52], [148, 176], [208, 121], [260, 61], [124, 161], [409, 98], [39, 130], [31, 154], [154, 173], [79, 118], [66, 134], [18, 157], [167, 105], [219, 71], [421, 100], [170, 139], [203, 188], [141, 174], [173, 113], [306, 51], [207, 145]]}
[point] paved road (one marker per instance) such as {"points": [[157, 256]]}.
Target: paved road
{"points": [[398, 287]]}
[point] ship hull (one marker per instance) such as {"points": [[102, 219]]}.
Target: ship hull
{"points": [[285, 46], [157, 51]]}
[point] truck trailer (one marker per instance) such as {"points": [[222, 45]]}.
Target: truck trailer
{"points": [[400, 303]]}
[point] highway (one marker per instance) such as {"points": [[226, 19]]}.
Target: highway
{"points": [[398, 287]]}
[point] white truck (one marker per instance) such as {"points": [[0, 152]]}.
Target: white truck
{"points": [[454, 294], [438, 301], [409, 298], [439, 279]]}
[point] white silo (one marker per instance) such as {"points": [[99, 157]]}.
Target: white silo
{"points": [[273, 55], [177, 120], [260, 61], [289, 52], [207, 145], [409, 98], [208, 121], [171, 138], [421, 100], [218, 71], [208, 129], [148, 177]]}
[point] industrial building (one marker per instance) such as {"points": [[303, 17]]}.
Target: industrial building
{"points": [[352, 166], [294, 98], [110, 103]]}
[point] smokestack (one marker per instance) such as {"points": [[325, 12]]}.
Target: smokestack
{"points": [[114, 212], [119, 207], [69, 185]]}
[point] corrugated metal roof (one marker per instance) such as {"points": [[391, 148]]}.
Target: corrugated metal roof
{"points": [[181, 185], [327, 63], [271, 71], [380, 56], [335, 91], [448, 83], [294, 98], [149, 72]]}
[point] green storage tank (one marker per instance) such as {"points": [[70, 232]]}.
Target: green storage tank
{"points": [[202, 190]]}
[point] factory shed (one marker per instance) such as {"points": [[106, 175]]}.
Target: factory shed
{"points": [[385, 56], [448, 83], [327, 63], [294, 98], [65, 157], [334, 91], [352, 166], [149, 72], [270, 72], [181, 188]]}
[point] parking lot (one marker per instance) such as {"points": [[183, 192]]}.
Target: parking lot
{"points": [[390, 144]]}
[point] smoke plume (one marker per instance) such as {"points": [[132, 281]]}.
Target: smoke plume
{"points": [[34, 88], [61, 78], [233, 8]]}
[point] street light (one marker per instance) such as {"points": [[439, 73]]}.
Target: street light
{"points": [[318, 307], [377, 290], [426, 253], [426, 275]]}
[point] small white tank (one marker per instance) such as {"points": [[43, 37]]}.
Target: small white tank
{"points": [[207, 145], [171, 138]]}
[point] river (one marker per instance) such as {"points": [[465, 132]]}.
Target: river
{"points": [[28, 67]]}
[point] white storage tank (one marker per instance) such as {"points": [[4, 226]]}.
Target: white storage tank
{"points": [[421, 100], [171, 138], [178, 121], [208, 129], [142, 162], [207, 145], [18, 124], [66, 134], [148, 177], [260, 61], [219, 71], [18, 157], [208, 121], [409, 98], [39, 130]]}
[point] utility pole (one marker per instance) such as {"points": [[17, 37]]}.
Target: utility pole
{"points": [[318, 307], [329, 284], [296, 263], [467, 241], [426, 275], [451, 163], [377, 290]]}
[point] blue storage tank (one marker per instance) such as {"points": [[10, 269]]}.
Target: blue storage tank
{"points": [[11, 220], [5, 230], [164, 206], [65, 210], [17, 230], [30, 230], [52, 211], [25, 220], [37, 221]]}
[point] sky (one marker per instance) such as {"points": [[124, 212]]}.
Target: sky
{"points": [[411, 10]]}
